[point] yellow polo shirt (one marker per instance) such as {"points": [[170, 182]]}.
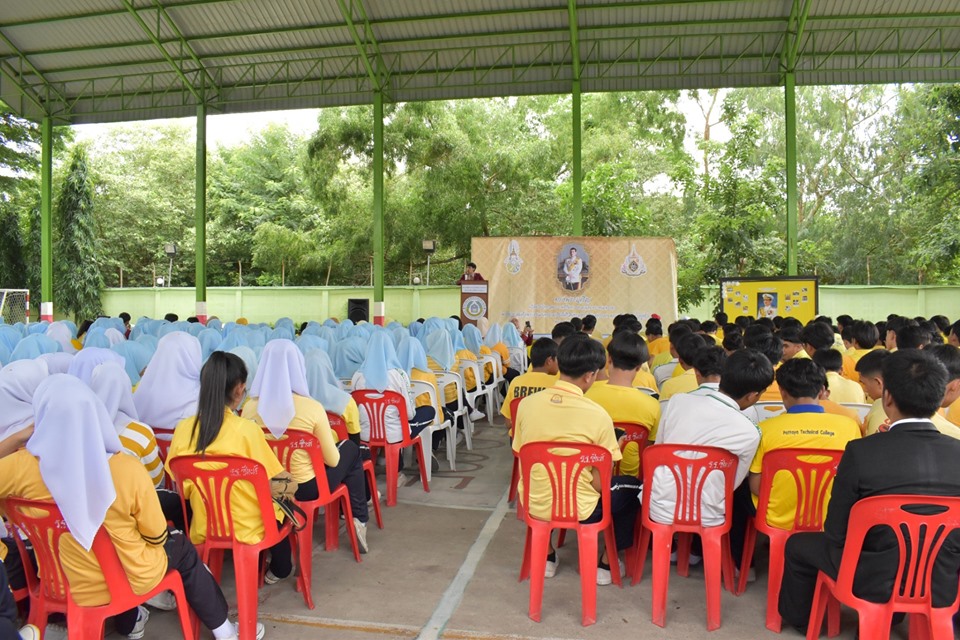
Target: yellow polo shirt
{"points": [[626, 404], [311, 417], [134, 522], [805, 426], [563, 414], [843, 390], [237, 437], [683, 383], [524, 385], [658, 346], [645, 379], [450, 391]]}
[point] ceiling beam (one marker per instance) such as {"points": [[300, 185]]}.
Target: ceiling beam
{"points": [[574, 38], [376, 68], [796, 24]]}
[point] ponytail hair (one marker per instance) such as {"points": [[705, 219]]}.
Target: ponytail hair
{"points": [[218, 378]]}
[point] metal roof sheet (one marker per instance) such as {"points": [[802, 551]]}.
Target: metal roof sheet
{"points": [[105, 60]]}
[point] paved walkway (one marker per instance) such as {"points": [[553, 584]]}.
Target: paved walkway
{"points": [[446, 566]]}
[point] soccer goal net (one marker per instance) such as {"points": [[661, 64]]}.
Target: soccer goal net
{"points": [[15, 305]]}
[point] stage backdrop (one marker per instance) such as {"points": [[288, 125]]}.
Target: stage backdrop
{"points": [[550, 279]]}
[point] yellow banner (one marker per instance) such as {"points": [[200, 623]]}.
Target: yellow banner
{"points": [[770, 297], [547, 280]]}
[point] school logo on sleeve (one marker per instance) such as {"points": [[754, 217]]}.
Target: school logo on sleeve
{"points": [[513, 262], [633, 264]]}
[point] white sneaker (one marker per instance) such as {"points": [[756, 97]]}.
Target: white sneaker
{"points": [[605, 577], [477, 415], [361, 529], [142, 616], [236, 632], [270, 578], [552, 565], [164, 601], [29, 632]]}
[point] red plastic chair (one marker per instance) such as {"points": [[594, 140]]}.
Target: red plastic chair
{"points": [[812, 471], [376, 403], [339, 426], [638, 434], [43, 524], [689, 475], [163, 448], [563, 463], [515, 473], [334, 501], [920, 537], [20, 596], [214, 479]]}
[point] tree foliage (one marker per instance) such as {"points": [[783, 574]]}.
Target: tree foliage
{"points": [[77, 282]]}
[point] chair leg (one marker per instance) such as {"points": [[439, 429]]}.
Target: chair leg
{"points": [[514, 479], [84, 624], [821, 596], [452, 446], [245, 564], [726, 564], [426, 435], [332, 526], [374, 492], [587, 541], [539, 544], [641, 542], [661, 575], [684, 540], [393, 473], [712, 569], [749, 542], [424, 466], [774, 580], [525, 563], [348, 516], [304, 539], [184, 612]]}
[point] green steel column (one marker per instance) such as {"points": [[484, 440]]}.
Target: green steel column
{"points": [[46, 219], [201, 213], [577, 170], [790, 117], [378, 305]]}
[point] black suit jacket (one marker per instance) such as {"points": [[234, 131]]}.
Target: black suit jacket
{"points": [[911, 458]]}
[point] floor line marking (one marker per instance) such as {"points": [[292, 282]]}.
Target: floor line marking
{"points": [[454, 594], [395, 630]]}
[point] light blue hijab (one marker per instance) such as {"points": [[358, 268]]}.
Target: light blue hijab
{"points": [[308, 343], [37, 327], [149, 341], [215, 324], [348, 357], [330, 322], [381, 357], [415, 328], [412, 356], [209, 339], [456, 337], [250, 359], [472, 339], [430, 326], [234, 339], [311, 329], [494, 335], [281, 332], [511, 337], [440, 348], [324, 386], [10, 336], [4, 354], [34, 345], [136, 356], [343, 328]]}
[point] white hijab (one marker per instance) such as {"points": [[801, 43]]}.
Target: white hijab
{"points": [[112, 385], [18, 381], [60, 332], [73, 438], [170, 388], [281, 374]]}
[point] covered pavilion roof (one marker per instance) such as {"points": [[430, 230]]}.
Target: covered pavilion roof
{"points": [[111, 60]]}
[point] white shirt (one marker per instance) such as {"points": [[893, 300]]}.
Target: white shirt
{"points": [[399, 382], [710, 419]]}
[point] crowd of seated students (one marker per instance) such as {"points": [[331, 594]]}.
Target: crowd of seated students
{"points": [[215, 389], [119, 388], [707, 375]]}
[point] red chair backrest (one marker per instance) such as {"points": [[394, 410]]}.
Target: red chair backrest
{"points": [[919, 536], [564, 463], [214, 477], [43, 524], [293, 440], [636, 433], [690, 475], [375, 403], [813, 479], [338, 424], [514, 405]]}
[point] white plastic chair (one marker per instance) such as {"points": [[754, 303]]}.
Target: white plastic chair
{"points": [[418, 388], [445, 379], [663, 372], [861, 409], [518, 356], [493, 389], [478, 391], [763, 410], [647, 390]]}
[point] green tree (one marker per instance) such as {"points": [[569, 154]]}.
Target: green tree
{"points": [[78, 282], [13, 272]]}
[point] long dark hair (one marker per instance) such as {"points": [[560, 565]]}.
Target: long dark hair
{"points": [[218, 378]]}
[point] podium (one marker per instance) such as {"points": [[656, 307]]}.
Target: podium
{"points": [[473, 300]]}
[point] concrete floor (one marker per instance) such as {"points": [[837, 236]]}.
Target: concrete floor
{"points": [[446, 566]]}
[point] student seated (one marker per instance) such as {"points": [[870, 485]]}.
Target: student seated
{"points": [[563, 414], [75, 459], [218, 430], [280, 401], [841, 389], [687, 348], [626, 353], [543, 374], [804, 424]]}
